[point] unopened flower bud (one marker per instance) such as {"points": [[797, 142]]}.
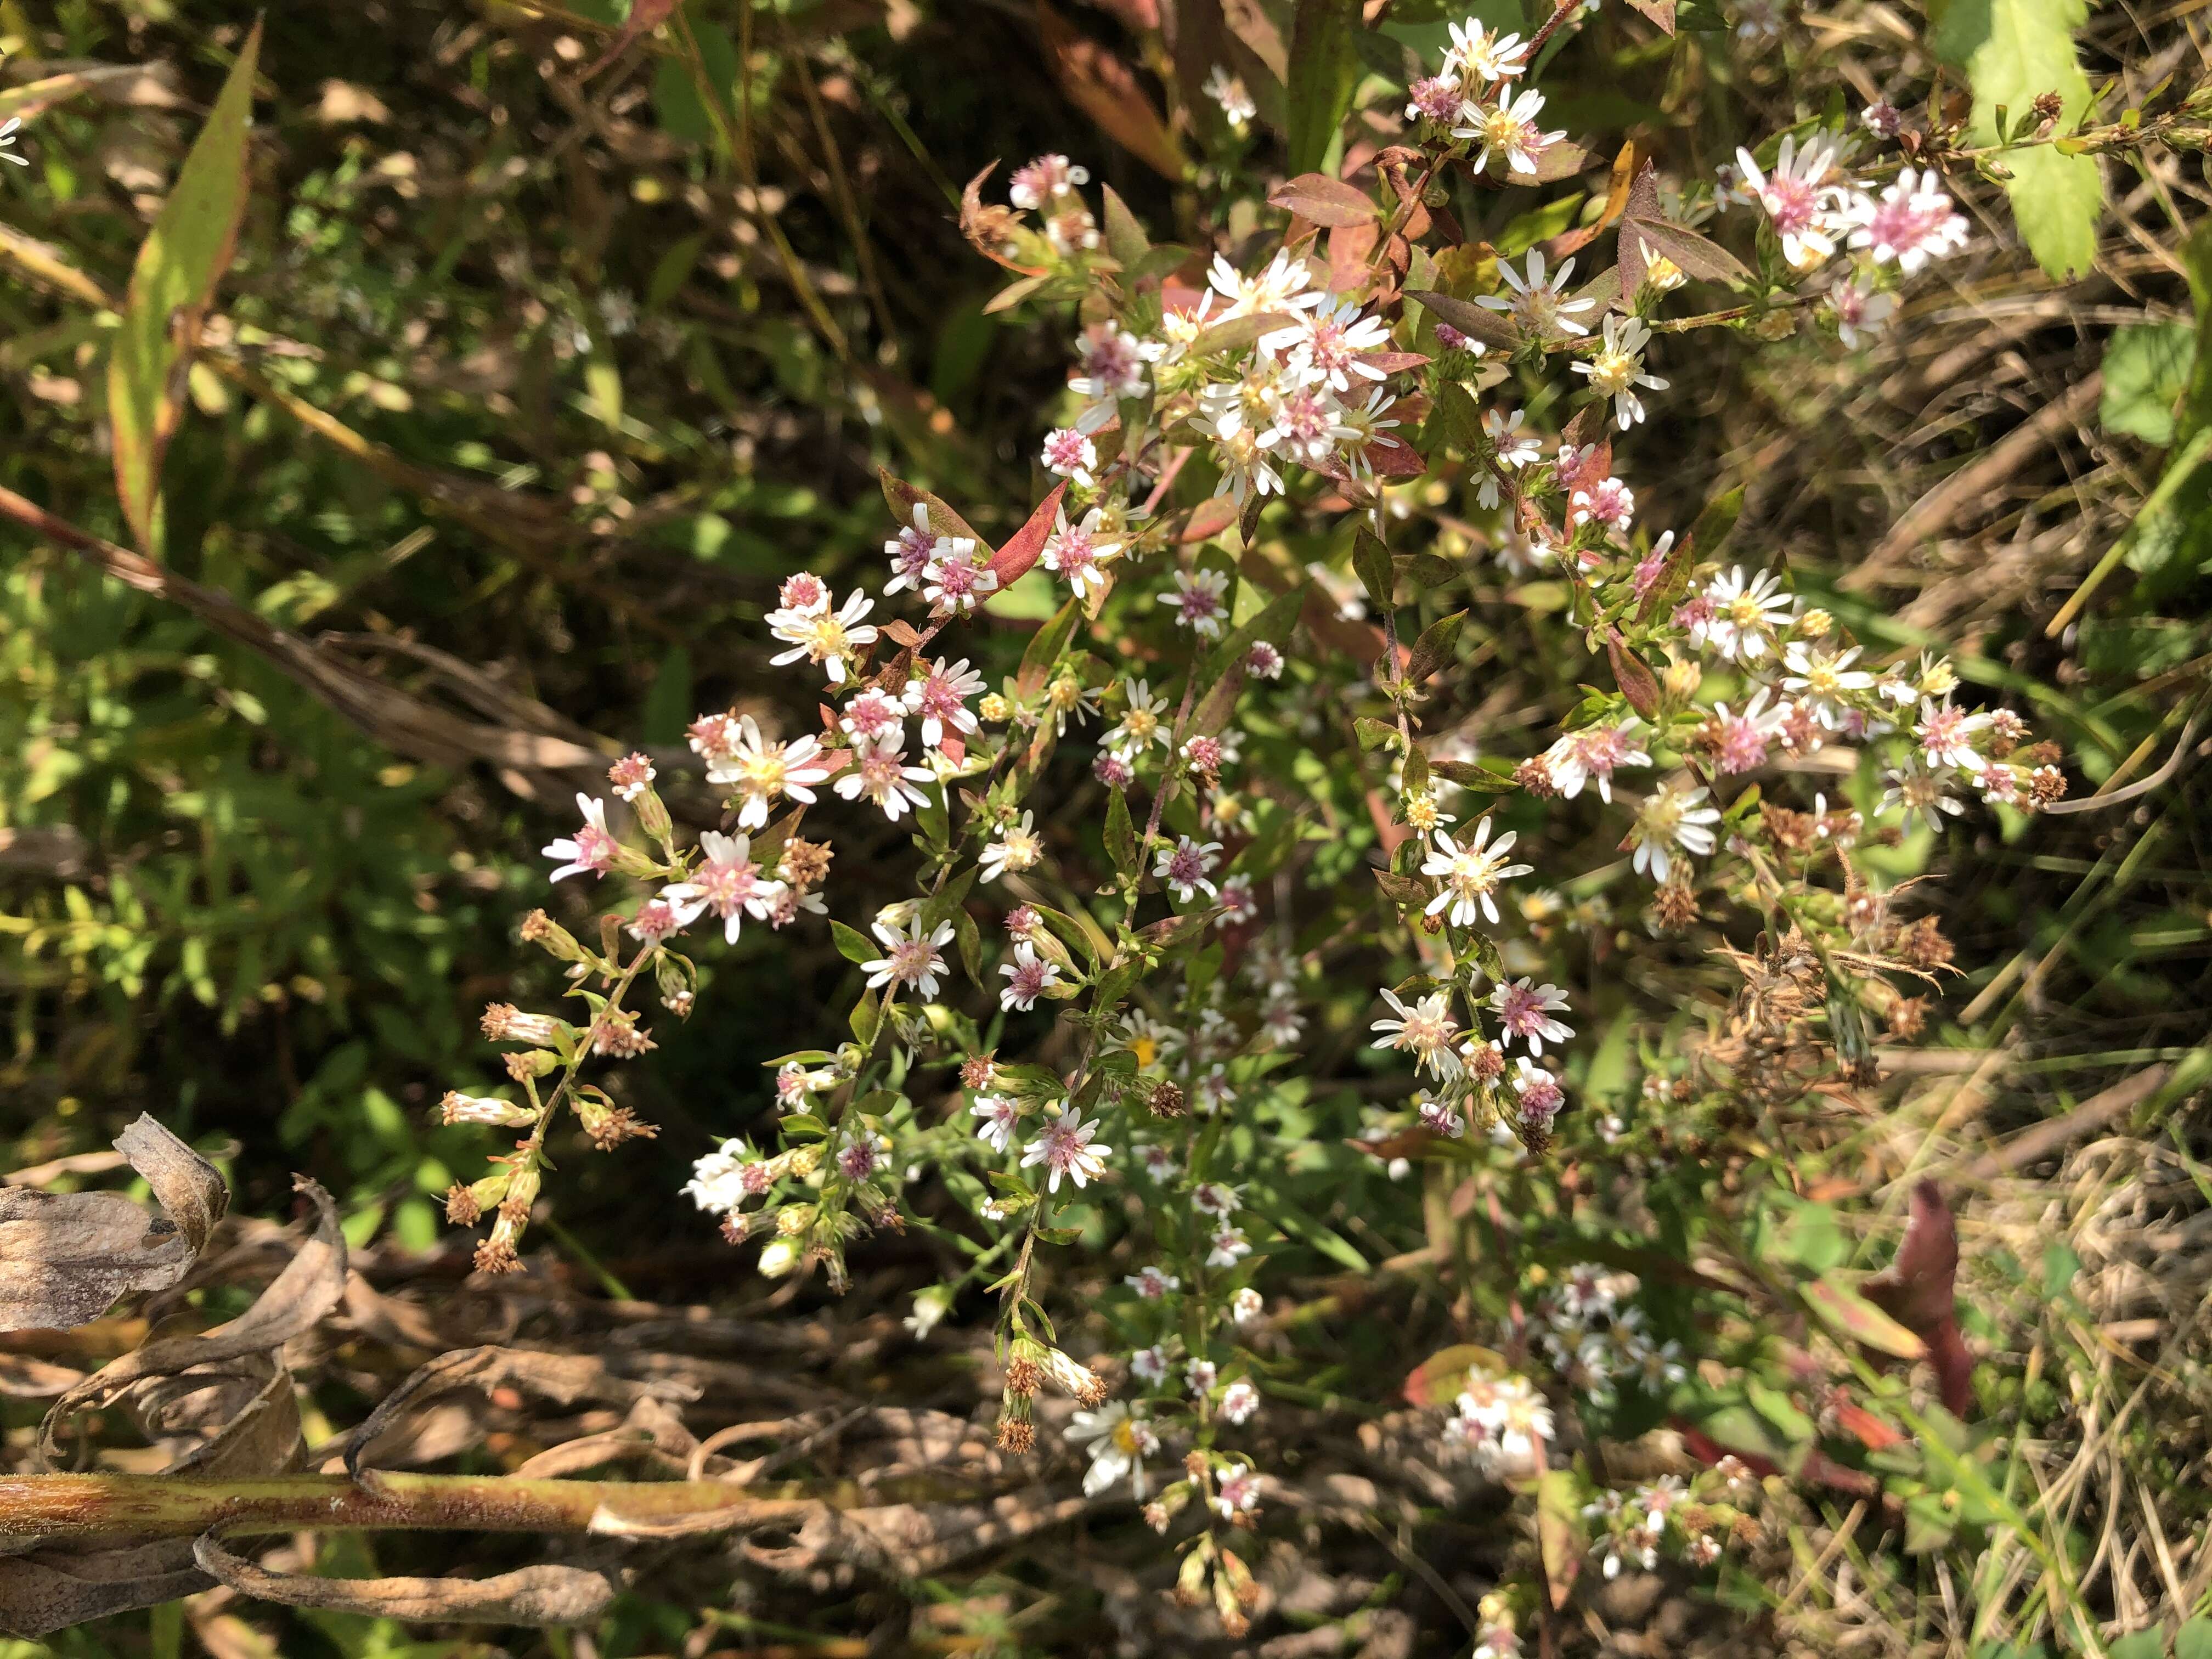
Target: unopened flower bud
{"points": [[1682, 678], [652, 815], [793, 1219], [1190, 1578], [1816, 623], [994, 707], [458, 1108], [1082, 1384], [557, 941], [521, 1189], [505, 1023], [777, 1258]]}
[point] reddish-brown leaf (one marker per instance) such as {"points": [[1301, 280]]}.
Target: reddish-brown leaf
{"points": [[1439, 1379], [1919, 1290], [1014, 561], [1104, 88], [1324, 200]]}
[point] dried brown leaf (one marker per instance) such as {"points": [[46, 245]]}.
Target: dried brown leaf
{"points": [[66, 1258], [546, 1593]]}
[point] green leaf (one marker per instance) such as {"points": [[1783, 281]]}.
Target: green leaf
{"points": [[2196, 402], [2146, 370], [1437, 1380], [1120, 833], [1433, 650], [2013, 52], [1046, 645], [1839, 1306], [1370, 561], [2194, 1640], [1559, 1535], [970, 940], [2143, 1645], [172, 284], [1125, 237], [1270, 624], [1928, 1523], [867, 1015], [1324, 68], [853, 945]]}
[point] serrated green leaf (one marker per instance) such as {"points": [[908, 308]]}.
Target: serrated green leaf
{"points": [[2146, 370], [2013, 52]]}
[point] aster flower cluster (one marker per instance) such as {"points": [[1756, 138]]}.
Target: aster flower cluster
{"points": [[1128, 912], [1813, 209]]}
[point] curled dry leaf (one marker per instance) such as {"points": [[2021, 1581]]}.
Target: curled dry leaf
{"points": [[562, 1379], [227, 1387], [988, 225], [546, 1593], [51, 1589], [66, 1258]]}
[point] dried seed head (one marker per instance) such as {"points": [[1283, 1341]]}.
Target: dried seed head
{"points": [[1908, 1018], [1022, 1377], [976, 1071], [1674, 906], [735, 1226], [617, 1036], [1016, 1437], [610, 1126], [1166, 1100], [804, 863], [1921, 943], [461, 1206], [1535, 775], [496, 1255], [525, 1065]]}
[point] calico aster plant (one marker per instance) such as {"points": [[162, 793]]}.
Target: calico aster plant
{"points": [[1332, 378]]}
